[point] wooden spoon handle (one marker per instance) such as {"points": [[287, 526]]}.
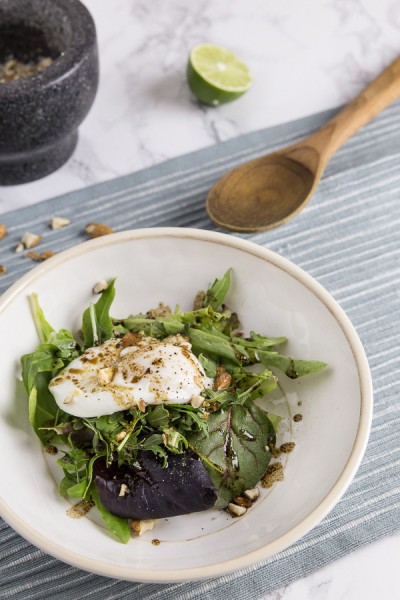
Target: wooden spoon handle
{"points": [[381, 92]]}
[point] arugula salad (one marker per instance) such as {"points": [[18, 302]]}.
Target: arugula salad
{"points": [[154, 415]]}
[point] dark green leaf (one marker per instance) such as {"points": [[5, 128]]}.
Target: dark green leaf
{"points": [[292, 367], [218, 290], [208, 343], [236, 443]]}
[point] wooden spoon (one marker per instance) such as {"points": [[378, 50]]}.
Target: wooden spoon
{"points": [[270, 190]]}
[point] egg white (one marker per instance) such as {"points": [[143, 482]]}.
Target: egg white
{"points": [[108, 378]]}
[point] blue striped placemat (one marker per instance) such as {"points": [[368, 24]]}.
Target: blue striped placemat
{"points": [[348, 239]]}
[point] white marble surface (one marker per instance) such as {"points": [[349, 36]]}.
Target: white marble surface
{"points": [[305, 57]]}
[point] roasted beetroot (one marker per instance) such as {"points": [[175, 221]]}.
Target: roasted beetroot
{"points": [[155, 492]]}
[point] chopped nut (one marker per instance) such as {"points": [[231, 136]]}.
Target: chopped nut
{"points": [[51, 450], [47, 254], [106, 375], [59, 222], [3, 231], [287, 447], [199, 300], [223, 379], [196, 401], [139, 527], [297, 418], [252, 494], [33, 255], [155, 542], [3, 269], [162, 310], [120, 436], [30, 240], [242, 501], [123, 489], [80, 509], [141, 405], [19, 247], [39, 257], [98, 229], [130, 339], [235, 510], [100, 286], [274, 473]]}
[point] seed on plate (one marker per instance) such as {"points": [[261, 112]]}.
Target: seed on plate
{"points": [[100, 286], [252, 494], [242, 501], [235, 510], [274, 473], [30, 240], [3, 269], [98, 229], [287, 447], [59, 222], [3, 231], [139, 527]]}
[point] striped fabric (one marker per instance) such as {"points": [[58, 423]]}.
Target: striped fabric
{"points": [[348, 239]]}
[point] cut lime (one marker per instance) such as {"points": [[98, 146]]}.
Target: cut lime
{"points": [[216, 75]]}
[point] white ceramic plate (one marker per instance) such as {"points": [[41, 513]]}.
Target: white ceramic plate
{"points": [[272, 296]]}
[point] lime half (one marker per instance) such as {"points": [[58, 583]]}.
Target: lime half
{"points": [[216, 75]]}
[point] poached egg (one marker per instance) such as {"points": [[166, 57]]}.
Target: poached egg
{"points": [[110, 377]]}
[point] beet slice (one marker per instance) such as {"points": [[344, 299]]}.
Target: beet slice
{"points": [[155, 492]]}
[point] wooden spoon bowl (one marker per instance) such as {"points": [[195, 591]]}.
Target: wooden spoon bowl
{"points": [[270, 190]]}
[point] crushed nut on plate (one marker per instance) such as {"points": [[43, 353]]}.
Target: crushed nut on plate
{"points": [[100, 286], [139, 527], [235, 510]]}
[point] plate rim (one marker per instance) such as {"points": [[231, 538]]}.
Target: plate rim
{"points": [[295, 533]]}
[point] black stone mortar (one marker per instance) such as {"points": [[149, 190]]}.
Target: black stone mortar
{"points": [[40, 114]]}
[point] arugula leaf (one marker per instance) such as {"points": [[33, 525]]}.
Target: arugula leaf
{"points": [[292, 367], [216, 293], [97, 325], [236, 443], [118, 527], [209, 343]]}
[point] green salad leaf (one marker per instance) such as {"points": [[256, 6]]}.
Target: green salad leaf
{"points": [[97, 325], [230, 433], [119, 527], [239, 442]]}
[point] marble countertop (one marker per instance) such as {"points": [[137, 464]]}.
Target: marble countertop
{"points": [[305, 57]]}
